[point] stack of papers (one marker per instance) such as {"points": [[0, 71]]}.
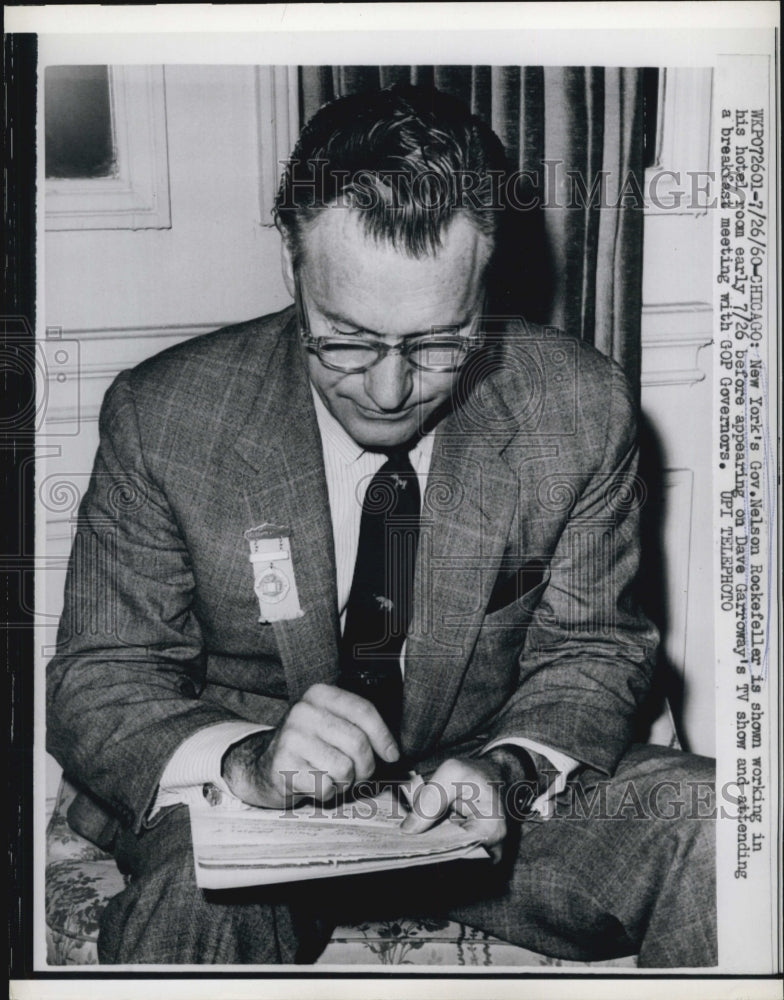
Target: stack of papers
{"points": [[246, 846]]}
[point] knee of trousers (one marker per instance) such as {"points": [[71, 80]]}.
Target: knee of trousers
{"points": [[661, 784], [163, 917]]}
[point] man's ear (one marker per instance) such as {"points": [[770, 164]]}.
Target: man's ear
{"points": [[287, 265]]}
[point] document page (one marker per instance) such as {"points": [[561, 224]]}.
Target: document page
{"points": [[248, 846]]}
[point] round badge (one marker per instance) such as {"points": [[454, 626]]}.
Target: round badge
{"points": [[272, 586]]}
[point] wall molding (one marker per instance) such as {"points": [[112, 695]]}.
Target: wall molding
{"points": [[59, 530], [85, 366], [677, 504], [277, 111], [134, 332], [137, 195], [683, 143], [673, 334]]}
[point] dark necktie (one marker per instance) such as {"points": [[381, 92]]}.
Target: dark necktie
{"points": [[380, 603]]}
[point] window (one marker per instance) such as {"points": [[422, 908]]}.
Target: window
{"points": [[78, 122], [106, 158]]}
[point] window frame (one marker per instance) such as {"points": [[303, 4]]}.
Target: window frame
{"points": [[136, 196]]}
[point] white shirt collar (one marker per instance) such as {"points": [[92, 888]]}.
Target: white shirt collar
{"points": [[333, 435], [336, 440]]}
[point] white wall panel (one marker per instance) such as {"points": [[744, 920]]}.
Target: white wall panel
{"points": [[677, 333]]}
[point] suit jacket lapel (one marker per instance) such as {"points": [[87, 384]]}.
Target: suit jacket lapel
{"points": [[285, 483], [469, 503]]}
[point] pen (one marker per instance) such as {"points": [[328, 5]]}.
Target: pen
{"points": [[411, 787]]}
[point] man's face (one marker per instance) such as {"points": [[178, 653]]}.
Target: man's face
{"points": [[350, 283]]}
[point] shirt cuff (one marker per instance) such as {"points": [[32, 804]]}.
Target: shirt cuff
{"points": [[562, 763], [197, 761]]}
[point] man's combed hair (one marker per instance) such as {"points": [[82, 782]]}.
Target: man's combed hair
{"points": [[406, 158]]}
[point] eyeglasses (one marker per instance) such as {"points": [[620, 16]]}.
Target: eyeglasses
{"points": [[443, 350]]}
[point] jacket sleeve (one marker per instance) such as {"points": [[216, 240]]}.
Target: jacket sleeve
{"points": [[589, 652], [122, 689]]}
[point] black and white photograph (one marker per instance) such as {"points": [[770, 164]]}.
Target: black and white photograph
{"points": [[405, 433]]}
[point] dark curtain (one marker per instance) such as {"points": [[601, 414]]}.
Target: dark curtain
{"points": [[576, 136]]}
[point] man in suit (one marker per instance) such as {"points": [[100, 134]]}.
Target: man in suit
{"points": [[186, 668]]}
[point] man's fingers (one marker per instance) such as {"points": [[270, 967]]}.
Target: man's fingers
{"points": [[312, 726], [327, 742], [491, 841], [491, 833], [431, 802], [311, 768], [358, 711], [459, 786], [318, 767]]}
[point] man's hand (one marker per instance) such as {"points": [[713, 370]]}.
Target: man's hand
{"points": [[471, 788], [328, 741]]}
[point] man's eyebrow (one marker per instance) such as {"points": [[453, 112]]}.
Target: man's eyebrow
{"points": [[343, 321], [335, 318]]}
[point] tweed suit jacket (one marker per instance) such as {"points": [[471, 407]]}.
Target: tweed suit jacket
{"points": [[523, 622]]}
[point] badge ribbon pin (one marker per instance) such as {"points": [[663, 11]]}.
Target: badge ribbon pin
{"points": [[273, 572]]}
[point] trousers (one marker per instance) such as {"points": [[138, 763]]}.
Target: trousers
{"points": [[625, 865]]}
